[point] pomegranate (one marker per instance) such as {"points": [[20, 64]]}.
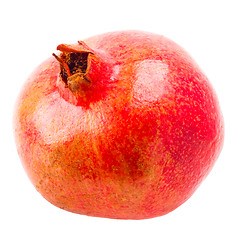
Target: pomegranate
{"points": [[122, 125]]}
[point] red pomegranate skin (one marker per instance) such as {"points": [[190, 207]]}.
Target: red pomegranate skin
{"points": [[134, 141]]}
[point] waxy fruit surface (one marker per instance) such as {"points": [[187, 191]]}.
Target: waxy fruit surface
{"points": [[121, 125]]}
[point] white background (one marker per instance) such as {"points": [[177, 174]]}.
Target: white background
{"points": [[209, 30]]}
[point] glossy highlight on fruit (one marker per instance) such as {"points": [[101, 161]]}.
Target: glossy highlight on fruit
{"points": [[122, 125]]}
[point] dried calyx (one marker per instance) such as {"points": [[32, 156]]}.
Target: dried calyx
{"points": [[74, 64]]}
